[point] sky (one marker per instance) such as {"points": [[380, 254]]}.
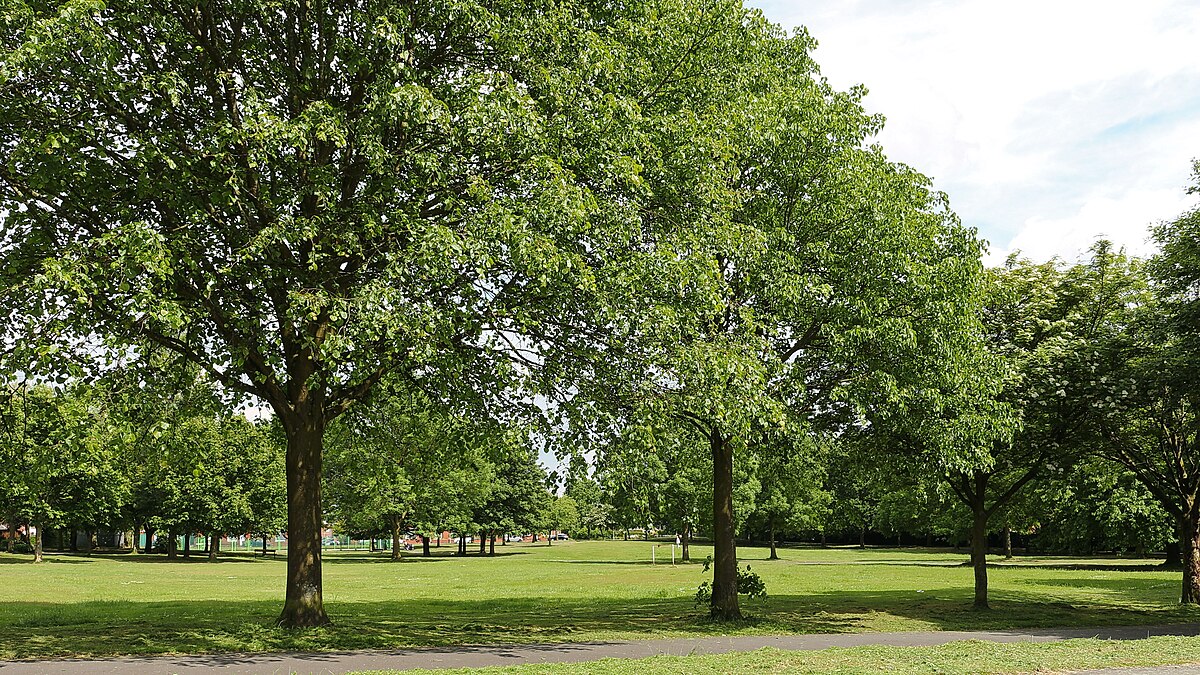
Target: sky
{"points": [[1050, 123]]}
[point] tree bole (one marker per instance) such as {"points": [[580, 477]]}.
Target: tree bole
{"points": [[724, 604], [303, 605], [979, 558]]}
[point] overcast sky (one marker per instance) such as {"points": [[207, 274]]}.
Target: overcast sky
{"points": [[1049, 123]]}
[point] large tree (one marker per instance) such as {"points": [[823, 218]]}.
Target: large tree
{"points": [[302, 198], [793, 277]]}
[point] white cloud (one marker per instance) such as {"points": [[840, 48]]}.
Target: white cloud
{"points": [[1073, 118]]}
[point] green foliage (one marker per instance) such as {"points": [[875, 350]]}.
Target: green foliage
{"points": [[62, 451], [1098, 506]]}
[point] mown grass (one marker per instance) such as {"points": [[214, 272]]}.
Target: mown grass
{"points": [[107, 605], [948, 659]]}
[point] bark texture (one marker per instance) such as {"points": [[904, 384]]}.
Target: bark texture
{"points": [[37, 544], [303, 606], [979, 557], [724, 605], [1190, 590], [396, 545], [774, 553]]}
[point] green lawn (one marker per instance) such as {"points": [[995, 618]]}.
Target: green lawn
{"points": [[949, 659], [527, 593]]}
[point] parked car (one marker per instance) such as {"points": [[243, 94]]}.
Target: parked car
{"points": [[561, 535], [514, 537]]}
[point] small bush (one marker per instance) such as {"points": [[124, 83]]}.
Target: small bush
{"points": [[748, 584]]}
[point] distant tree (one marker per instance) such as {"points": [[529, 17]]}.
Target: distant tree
{"points": [[630, 469], [595, 515], [856, 480], [61, 452], [517, 500], [687, 491], [561, 515], [791, 473], [1100, 506]]}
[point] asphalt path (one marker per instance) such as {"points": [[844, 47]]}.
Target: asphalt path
{"points": [[335, 663]]}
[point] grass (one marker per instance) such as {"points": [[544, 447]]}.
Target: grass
{"points": [[947, 659], [574, 591]]}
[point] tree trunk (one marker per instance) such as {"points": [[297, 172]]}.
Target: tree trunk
{"points": [[88, 536], [208, 543], [1008, 542], [214, 546], [687, 538], [492, 544], [149, 547], [187, 544], [549, 538], [862, 537], [303, 605], [395, 538], [1190, 589], [724, 605], [979, 556], [172, 545], [133, 538], [425, 545], [37, 543], [771, 525], [74, 540], [1174, 555], [264, 537], [824, 540], [482, 542]]}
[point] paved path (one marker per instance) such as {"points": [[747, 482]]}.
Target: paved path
{"points": [[573, 652]]}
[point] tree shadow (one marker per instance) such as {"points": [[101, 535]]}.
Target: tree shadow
{"points": [[412, 557], [39, 630], [1083, 567], [47, 559], [162, 559]]}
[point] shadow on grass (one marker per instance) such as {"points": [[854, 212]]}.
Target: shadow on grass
{"points": [[39, 630], [21, 559], [161, 558], [410, 557]]}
